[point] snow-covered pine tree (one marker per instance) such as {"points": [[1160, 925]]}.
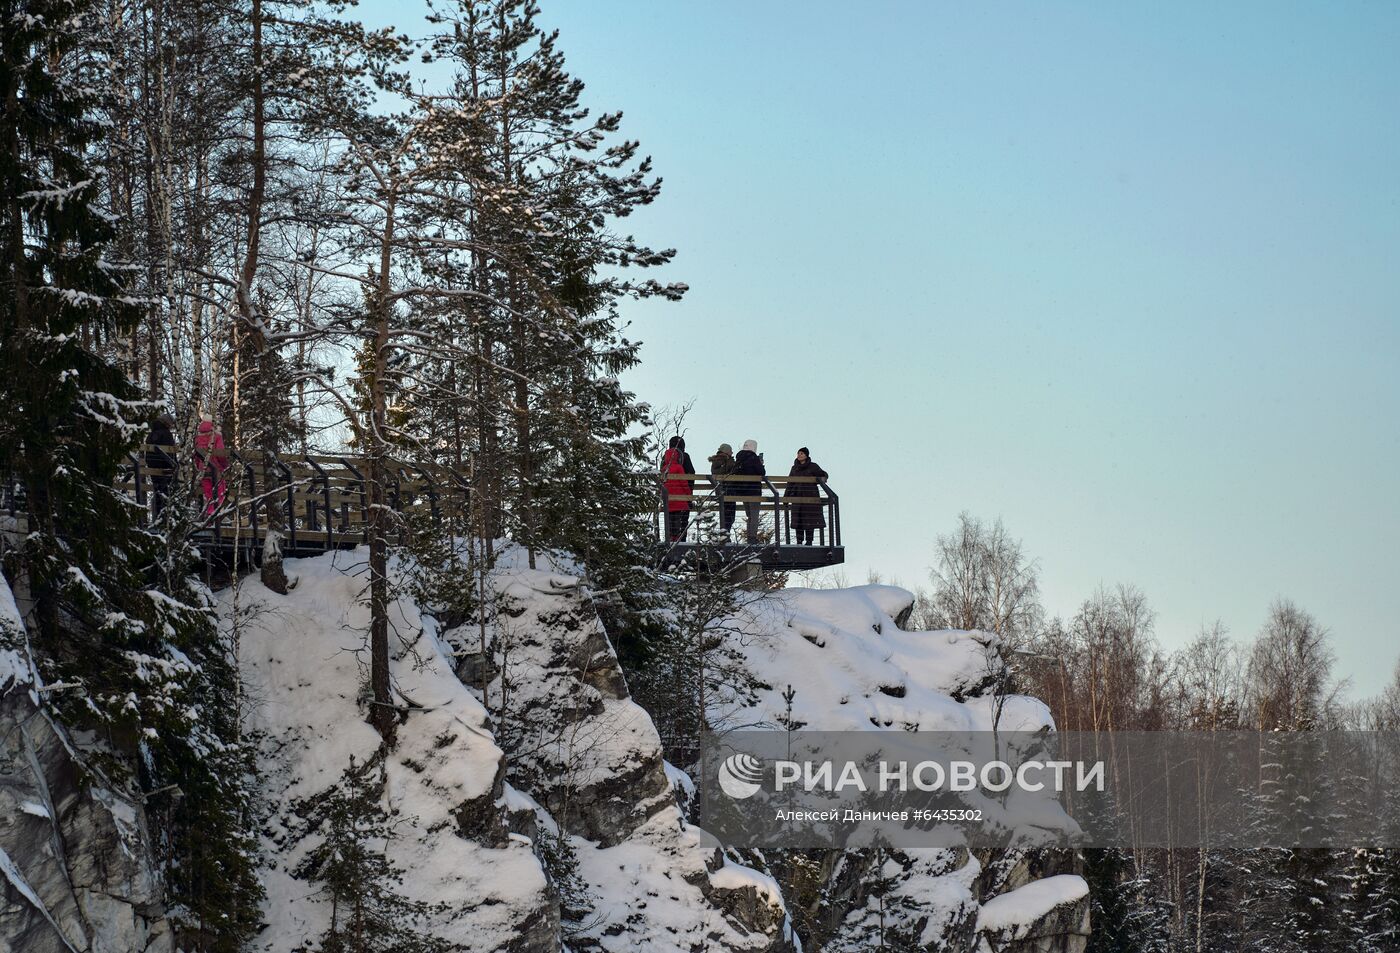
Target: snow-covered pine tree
{"points": [[291, 74], [1126, 916], [1373, 873], [888, 918], [368, 913], [547, 186], [390, 173], [130, 653]]}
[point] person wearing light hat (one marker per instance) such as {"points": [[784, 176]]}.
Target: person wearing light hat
{"points": [[807, 516], [721, 465], [749, 463]]}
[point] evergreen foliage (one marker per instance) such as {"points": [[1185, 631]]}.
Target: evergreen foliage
{"points": [[368, 914], [114, 620], [1127, 917]]}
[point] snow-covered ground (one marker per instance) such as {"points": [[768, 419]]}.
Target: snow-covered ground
{"points": [[854, 669], [304, 660], [583, 760]]}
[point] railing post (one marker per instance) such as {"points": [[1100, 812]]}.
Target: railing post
{"points": [[777, 510], [252, 502], [787, 524], [666, 511], [136, 472], [835, 503], [364, 499], [291, 504], [431, 489], [326, 502], [466, 488], [719, 495]]}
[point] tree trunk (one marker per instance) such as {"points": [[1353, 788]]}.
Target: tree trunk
{"points": [[383, 715], [518, 331], [273, 575]]}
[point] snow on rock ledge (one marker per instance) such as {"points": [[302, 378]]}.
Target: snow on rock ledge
{"points": [[590, 756], [1044, 916], [856, 670], [303, 656]]}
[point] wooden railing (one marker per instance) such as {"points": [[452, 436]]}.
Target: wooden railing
{"points": [[320, 501]]}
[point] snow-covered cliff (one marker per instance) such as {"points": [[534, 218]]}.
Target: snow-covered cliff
{"points": [[853, 668], [579, 789], [303, 658], [527, 806]]}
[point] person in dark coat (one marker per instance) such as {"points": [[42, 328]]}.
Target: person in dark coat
{"points": [[749, 463], [721, 465], [807, 517], [677, 510], [159, 460]]}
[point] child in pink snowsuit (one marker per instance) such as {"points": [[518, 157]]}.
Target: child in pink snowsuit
{"points": [[213, 465]]}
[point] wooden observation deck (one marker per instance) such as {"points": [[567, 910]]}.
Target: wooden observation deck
{"points": [[320, 502], [771, 541]]}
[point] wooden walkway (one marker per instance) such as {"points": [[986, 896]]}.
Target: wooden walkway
{"points": [[321, 502]]}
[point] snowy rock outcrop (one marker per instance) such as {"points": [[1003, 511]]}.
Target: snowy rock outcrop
{"points": [[303, 657], [1050, 915], [76, 867], [855, 669], [577, 742], [590, 758]]}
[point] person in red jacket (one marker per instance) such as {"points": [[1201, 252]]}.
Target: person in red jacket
{"points": [[211, 460], [677, 510]]}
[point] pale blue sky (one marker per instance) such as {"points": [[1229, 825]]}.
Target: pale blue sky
{"points": [[1127, 276]]}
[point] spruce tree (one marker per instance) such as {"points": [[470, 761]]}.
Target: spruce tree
{"points": [[1125, 914], [544, 186], [368, 913], [130, 651]]}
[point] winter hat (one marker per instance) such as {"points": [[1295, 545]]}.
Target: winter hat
{"points": [[205, 417], [751, 446], [726, 448], [674, 441], [804, 450]]}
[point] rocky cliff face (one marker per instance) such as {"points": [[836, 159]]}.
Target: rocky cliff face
{"points": [[480, 884], [530, 806], [856, 669], [590, 760], [77, 873]]}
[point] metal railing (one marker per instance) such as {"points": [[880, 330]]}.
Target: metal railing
{"points": [[769, 517], [316, 501]]}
